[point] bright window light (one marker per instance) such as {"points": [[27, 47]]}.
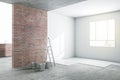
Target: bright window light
{"points": [[102, 33], [6, 23]]}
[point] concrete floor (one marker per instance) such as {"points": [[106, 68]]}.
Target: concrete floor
{"points": [[75, 71]]}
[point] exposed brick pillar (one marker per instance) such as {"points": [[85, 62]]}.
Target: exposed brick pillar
{"points": [[29, 35]]}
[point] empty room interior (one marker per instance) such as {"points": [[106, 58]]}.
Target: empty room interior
{"points": [[60, 40]]}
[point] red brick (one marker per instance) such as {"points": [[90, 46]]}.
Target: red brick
{"points": [[30, 35]]}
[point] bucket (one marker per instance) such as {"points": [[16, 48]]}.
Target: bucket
{"points": [[48, 65]]}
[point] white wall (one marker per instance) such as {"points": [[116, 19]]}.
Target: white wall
{"points": [[61, 33], [82, 39], [6, 23]]}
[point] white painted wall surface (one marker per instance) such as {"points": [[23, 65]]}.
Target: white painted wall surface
{"points": [[61, 33], [82, 39], [6, 23]]}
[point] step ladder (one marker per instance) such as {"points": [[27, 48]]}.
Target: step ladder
{"points": [[50, 56]]}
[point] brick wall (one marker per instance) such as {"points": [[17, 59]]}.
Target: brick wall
{"points": [[2, 50], [8, 49], [29, 35], [5, 50]]}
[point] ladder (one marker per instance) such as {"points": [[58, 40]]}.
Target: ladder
{"points": [[50, 53]]}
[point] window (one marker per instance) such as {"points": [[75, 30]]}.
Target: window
{"points": [[102, 33]]}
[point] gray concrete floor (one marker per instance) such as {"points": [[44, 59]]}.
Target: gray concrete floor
{"points": [[60, 72]]}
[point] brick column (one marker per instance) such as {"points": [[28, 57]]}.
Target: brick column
{"points": [[29, 35]]}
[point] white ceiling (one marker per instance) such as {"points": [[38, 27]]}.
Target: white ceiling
{"points": [[89, 7]]}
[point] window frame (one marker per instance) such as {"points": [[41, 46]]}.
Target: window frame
{"points": [[107, 40]]}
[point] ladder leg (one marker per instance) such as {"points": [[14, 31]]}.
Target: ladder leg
{"points": [[49, 56], [51, 51]]}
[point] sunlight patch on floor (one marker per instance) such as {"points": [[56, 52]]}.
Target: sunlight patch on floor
{"points": [[71, 61]]}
